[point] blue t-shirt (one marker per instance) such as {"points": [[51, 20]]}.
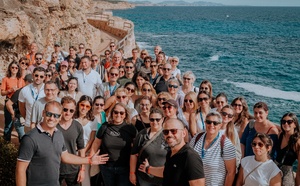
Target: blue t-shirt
{"points": [[248, 137]]}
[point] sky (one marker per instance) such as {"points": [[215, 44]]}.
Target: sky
{"points": [[245, 2]]}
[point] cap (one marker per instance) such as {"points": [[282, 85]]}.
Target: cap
{"points": [[57, 44], [65, 63], [171, 102], [28, 78]]}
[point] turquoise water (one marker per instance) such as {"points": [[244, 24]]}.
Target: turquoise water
{"points": [[248, 51]]}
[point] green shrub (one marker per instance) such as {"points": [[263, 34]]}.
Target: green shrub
{"points": [[8, 160]]}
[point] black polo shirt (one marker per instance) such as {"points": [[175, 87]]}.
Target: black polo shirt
{"points": [[182, 167]]}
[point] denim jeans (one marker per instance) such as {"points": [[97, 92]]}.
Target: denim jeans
{"points": [[115, 176]]}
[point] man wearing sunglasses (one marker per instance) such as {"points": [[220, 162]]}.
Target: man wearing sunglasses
{"points": [[108, 89], [42, 150], [39, 62], [51, 92], [30, 93], [129, 73], [181, 160], [136, 60], [161, 83], [72, 132]]}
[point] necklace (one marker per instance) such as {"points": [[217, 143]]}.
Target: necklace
{"points": [[214, 140]]}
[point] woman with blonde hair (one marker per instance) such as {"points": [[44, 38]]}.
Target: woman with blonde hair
{"points": [[115, 138], [148, 91], [188, 83], [173, 87], [190, 107], [162, 97], [144, 53]]}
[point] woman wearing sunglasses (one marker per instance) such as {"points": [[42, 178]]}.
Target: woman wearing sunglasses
{"points": [[71, 90], [227, 113], [149, 140], [261, 124], [190, 106], [148, 91], [84, 115], [173, 87], [98, 110], [146, 68], [162, 97], [217, 152], [242, 114], [141, 121], [188, 83], [221, 101], [115, 138], [120, 97], [259, 169], [197, 119], [24, 62], [288, 153]]}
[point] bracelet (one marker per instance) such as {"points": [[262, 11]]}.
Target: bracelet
{"points": [[82, 169], [148, 169], [131, 172]]}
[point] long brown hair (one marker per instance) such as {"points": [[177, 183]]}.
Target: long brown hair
{"points": [[230, 126], [245, 114]]}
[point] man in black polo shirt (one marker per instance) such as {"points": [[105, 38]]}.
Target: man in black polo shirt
{"points": [[43, 148], [183, 165]]}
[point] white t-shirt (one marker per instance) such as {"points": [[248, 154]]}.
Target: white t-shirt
{"points": [[87, 130], [213, 163], [262, 175], [88, 84], [29, 95]]}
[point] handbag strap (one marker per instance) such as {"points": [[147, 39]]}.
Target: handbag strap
{"points": [[150, 141], [251, 172]]}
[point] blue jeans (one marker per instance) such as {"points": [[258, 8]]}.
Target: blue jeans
{"points": [[115, 176]]}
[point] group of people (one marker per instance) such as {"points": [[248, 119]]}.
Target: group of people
{"points": [[152, 125]]}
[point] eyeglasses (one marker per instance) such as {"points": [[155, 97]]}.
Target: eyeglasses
{"points": [[289, 122], [173, 86], [144, 105], [226, 114], [36, 75], [147, 61], [99, 104], [119, 97], [117, 112], [173, 131], [143, 54], [152, 66], [48, 75], [167, 107], [81, 47], [161, 99], [208, 122], [154, 119], [188, 100], [71, 61], [166, 69], [146, 90], [184, 78], [203, 99], [260, 145], [50, 114], [130, 90], [107, 54], [50, 90], [237, 105], [93, 60], [82, 105], [54, 56], [129, 67], [174, 61], [112, 45], [38, 58], [16, 68], [66, 110], [113, 74], [204, 88]]}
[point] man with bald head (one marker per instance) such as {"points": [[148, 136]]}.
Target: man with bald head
{"points": [[183, 165]]}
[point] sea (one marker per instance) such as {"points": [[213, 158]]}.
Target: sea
{"points": [[244, 51]]}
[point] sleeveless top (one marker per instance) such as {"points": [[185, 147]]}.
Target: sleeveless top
{"points": [[140, 125], [289, 153]]}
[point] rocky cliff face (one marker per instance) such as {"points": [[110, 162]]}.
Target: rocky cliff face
{"points": [[46, 22]]}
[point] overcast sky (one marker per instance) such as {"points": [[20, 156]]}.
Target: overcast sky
{"points": [[245, 2]]}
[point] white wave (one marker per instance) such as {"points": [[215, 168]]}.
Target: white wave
{"points": [[214, 58], [144, 45], [267, 91], [158, 36]]}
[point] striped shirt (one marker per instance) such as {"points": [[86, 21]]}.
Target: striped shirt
{"points": [[213, 163]]}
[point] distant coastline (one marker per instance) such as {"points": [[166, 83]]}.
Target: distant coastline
{"points": [[175, 3]]}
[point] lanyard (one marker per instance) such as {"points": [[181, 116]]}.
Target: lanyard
{"points": [[202, 121], [112, 89], [202, 150], [33, 92]]}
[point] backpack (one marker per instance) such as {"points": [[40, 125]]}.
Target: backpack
{"points": [[223, 137]]}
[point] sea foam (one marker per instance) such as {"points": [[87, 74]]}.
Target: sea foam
{"points": [[267, 91], [214, 58]]}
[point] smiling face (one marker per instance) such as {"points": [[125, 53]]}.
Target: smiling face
{"points": [[260, 149], [169, 111], [221, 102], [288, 125], [85, 63], [227, 115], [68, 111], [84, 107], [146, 90], [238, 106], [188, 80], [140, 81], [176, 137], [50, 122], [260, 115], [154, 124], [121, 97], [72, 85], [38, 77], [145, 105], [212, 129], [51, 91], [99, 105], [119, 114], [130, 89], [173, 88], [203, 100], [189, 103]]}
